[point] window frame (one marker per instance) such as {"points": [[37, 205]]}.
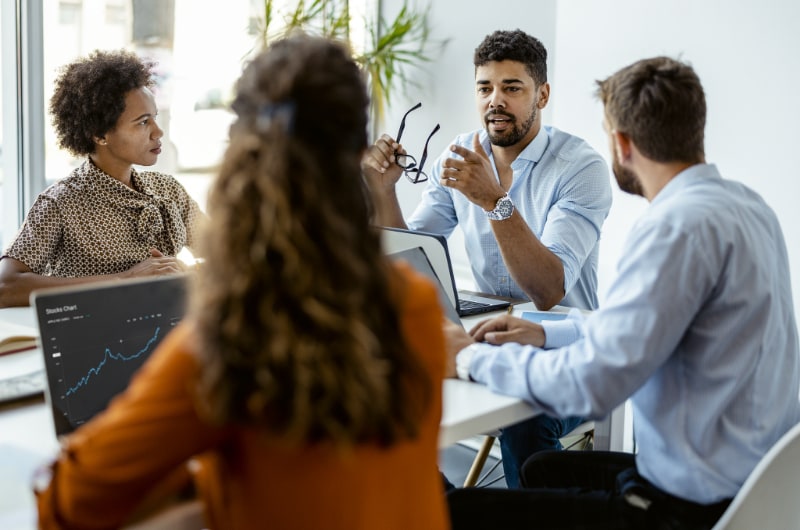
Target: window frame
{"points": [[23, 110]]}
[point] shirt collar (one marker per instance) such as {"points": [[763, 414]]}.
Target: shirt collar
{"points": [[140, 184], [533, 152], [684, 178]]}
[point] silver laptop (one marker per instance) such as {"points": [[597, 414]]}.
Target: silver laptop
{"points": [[435, 247], [95, 336], [416, 258]]}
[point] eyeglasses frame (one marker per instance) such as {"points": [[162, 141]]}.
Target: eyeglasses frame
{"points": [[412, 170]]}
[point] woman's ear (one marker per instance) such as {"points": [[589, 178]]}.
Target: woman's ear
{"points": [[101, 140]]}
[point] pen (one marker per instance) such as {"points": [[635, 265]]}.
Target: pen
{"points": [[510, 309]]}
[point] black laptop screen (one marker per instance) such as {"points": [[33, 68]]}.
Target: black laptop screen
{"points": [[94, 338]]}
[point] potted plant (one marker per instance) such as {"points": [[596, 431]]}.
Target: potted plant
{"points": [[386, 50]]}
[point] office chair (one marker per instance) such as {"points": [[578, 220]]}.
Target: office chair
{"points": [[768, 498], [585, 431]]}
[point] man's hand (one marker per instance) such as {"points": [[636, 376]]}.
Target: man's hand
{"points": [[455, 339], [506, 328], [472, 175], [378, 164], [156, 265]]}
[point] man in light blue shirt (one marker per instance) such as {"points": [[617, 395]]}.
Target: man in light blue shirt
{"points": [[698, 330], [561, 190], [530, 200]]}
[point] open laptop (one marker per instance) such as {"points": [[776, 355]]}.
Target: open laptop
{"points": [[435, 247], [416, 258], [95, 336]]}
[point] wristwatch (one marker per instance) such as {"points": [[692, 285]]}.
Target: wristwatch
{"points": [[502, 209], [464, 360]]}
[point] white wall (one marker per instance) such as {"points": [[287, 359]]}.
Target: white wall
{"points": [[745, 52]]}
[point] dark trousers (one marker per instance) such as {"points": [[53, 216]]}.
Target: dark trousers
{"points": [[579, 490]]}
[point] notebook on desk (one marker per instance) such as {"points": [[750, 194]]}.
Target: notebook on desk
{"points": [[21, 368], [95, 336], [435, 247]]}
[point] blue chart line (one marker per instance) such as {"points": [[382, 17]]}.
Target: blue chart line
{"points": [[114, 356]]}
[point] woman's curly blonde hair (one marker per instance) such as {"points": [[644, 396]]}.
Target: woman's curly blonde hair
{"points": [[296, 304]]}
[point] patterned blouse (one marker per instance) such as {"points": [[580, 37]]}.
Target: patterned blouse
{"points": [[89, 223]]}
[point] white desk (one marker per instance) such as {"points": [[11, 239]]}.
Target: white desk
{"points": [[470, 409], [23, 316]]}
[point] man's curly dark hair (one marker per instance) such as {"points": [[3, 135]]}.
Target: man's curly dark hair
{"points": [[89, 96], [514, 46]]}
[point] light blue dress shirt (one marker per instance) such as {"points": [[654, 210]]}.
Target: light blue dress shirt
{"points": [[698, 330], [561, 188]]}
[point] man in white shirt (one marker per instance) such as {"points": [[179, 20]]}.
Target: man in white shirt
{"points": [[698, 330]]}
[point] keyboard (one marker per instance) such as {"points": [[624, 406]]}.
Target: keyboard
{"points": [[22, 386], [471, 305]]}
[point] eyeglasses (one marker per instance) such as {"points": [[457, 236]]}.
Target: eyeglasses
{"points": [[411, 169]]}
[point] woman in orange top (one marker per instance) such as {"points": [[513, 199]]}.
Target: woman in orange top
{"points": [[303, 390]]}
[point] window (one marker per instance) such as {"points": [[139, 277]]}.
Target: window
{"points": [[199, 46]]}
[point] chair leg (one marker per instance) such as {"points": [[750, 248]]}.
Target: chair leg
{"points": [[478, 463], [586, 440], [584, 443]]}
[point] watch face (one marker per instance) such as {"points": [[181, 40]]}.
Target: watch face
{"points": [[505, 207], [502, 210]]}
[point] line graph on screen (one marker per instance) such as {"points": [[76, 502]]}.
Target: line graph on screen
{"points": [[108, 355]]}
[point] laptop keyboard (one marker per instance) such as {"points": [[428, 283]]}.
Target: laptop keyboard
{"points": [[470, 305], [23, 385]]}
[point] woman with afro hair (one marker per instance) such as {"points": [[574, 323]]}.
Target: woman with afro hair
{"points": [[106, 219]]}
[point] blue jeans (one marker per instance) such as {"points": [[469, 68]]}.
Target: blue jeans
{"points": [[520, 441]]}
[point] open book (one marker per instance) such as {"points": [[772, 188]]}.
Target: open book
{"points": [[16, 337]]}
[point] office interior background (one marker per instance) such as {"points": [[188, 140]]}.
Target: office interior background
{"points": [[744, 51]]}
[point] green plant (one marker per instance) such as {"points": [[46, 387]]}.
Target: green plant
{"points": [[391, 49]]}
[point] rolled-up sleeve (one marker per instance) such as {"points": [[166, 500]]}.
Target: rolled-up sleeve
{"points": [[575, 219]]}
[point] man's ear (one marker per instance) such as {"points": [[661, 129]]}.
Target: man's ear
{"points": [[544, 96], [622, 145]]}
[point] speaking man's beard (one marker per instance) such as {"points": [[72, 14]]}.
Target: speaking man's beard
{"points": [[512, 136]]}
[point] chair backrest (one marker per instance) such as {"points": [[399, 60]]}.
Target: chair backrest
{"points": [[768, 498]]}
